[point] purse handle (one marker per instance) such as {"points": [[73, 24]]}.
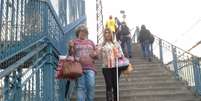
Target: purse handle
{"points": [[72, 51]]}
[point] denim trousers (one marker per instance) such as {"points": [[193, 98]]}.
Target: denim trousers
{"points": [[126, 46], [146, 49], [86, 86]]}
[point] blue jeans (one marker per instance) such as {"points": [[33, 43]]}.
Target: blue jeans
{"points": [[86, 86], [151, 50], [146, 49], [126, 46]]}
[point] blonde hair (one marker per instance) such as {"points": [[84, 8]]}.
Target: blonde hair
{"points": [[111, 34]]}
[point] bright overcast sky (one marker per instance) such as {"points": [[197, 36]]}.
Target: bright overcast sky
{"points": [[169, 19]]}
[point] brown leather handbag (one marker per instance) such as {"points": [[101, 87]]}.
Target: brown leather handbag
{"points": [[69, 68], [72, 69]]}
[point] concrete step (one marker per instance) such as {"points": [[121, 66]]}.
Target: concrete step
{"points": [[122, 80], [138, 90], [134, 62], [153, 96], [158, 84], [138, 71], [150, 98], [160, 78], [152, 67], [140, 75], [134, 90]]}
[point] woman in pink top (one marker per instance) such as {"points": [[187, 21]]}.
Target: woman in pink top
{"points": [[84, 51]]}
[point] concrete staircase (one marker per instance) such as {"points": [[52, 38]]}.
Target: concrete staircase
{"points": [[149, 81]]}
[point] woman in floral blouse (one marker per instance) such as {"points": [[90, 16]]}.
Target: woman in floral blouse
{"points": [[110, 50]]}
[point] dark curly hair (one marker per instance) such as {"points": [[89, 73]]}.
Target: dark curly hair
{"points": [[81, 27]]}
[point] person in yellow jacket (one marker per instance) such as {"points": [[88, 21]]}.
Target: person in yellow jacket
{"points": [[110, 23]]}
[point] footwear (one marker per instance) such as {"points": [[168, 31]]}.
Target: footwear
{"points": [[150, 60]]}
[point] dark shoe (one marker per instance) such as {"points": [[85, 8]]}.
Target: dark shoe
{"points": [[109, 96], [150, 60]]}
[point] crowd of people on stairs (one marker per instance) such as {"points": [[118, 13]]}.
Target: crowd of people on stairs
{"points": [[117, 44]]}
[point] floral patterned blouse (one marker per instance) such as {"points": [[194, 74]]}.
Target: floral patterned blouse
{"points": [[109, 52]]}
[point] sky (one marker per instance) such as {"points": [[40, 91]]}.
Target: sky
{"points": [[176, 21]]}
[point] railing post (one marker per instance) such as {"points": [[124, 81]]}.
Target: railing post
{"points": [[161, 51], [38, 81], [61, 90], [197, 74], [19, 86], [13, 86], [1, 14], [52, 74], [48, 77], [45, 19], [174, 55], [32, 86], [6, 89]]}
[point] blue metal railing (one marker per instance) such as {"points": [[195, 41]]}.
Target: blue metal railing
{"points": [[185, 65], [31, 39]]}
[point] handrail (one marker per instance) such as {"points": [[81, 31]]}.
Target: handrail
{"points": [[13, 67], [185, 65], [71, 26], [175, 46]]}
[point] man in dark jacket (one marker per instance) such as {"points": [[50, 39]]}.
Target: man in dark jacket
{"points": [[125, 39], [144, 41]]}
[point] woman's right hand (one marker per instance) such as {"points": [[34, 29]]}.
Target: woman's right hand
{"points": [[98, 49], [71, 43]]}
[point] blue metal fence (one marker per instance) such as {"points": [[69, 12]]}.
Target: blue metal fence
{"points": [[31, 40], [185, 65]]}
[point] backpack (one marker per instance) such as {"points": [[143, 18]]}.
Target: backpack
{"points": [[151, 37], [124, 30]]}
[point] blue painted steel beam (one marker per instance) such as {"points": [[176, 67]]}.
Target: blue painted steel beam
{"points": [[32, 85], [12, 21], [197, 75], [6, 21], [5, 89], [1, 11], [19, 85], [38, 80], [17, 18], [13, 86], [48, 89], [22, 18], [73, 25]]}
